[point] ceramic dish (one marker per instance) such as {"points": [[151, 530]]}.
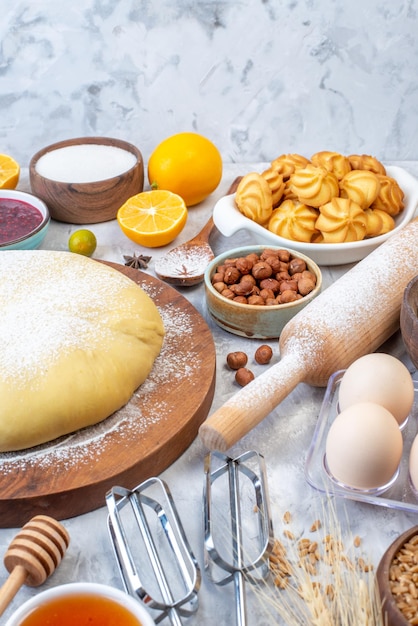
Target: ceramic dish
{"points": [[229, 220], [19, 206], [399, 494], [249, 320]]}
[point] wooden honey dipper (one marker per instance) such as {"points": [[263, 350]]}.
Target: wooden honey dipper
{"points": [[33, 556], [352, 317]]}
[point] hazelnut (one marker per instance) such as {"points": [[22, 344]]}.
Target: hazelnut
{"points": [[270, 283], [285, 285], [305, 286], [236, 360], [267, 294], [218, 277], [261, 270], [284, 255], [296, 265], [252, 257], [274, 262], [268, 252], [231, 275], [258, 300], [219, 286], [282, 275], [241, 299], [308, 274], [263, 354], [248, 279], [227, 293], [244, 265], [288, 296], [242, 288], [243, 376]]}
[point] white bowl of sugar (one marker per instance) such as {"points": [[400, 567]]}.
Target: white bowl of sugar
{"points": [[86, 180]]}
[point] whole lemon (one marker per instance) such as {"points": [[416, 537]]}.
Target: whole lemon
{"points": [[187, 164], [83, 242]]}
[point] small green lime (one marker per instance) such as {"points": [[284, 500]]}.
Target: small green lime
{"points": [[82, 242]]}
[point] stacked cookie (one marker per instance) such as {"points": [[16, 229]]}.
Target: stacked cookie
{"points": [[330, 198]]}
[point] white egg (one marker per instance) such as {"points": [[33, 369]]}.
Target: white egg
{"points": [[364, 446], [413, 463], [379, 378]]}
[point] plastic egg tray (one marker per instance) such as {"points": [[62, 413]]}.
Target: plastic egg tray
{"points": [[398, 494]]}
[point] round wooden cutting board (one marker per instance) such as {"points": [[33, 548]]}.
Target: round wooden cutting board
{"points": [[71, 475]]}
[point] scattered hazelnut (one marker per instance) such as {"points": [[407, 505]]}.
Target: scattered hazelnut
{"points": [[243, 376], [236, 360], [263, 354]]}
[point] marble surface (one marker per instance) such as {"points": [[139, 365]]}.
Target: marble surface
{"points": [[283, 438], [258, 78]]}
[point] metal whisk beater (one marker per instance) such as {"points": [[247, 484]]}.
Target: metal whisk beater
{"points": [[244, 556], [150, 545]]}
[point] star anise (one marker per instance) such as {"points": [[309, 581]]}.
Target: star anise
{"points": [[139, 262]]}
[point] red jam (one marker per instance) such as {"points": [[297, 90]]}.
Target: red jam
{"points": [[17, 219]]}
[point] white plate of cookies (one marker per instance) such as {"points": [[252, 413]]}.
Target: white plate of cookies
{"points": [[332, 208]]}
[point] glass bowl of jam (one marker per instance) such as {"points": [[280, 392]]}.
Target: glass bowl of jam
{"points": [[24, 220]]}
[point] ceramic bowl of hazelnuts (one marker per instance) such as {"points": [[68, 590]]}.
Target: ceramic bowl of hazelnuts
{"points": [[254, 291]]}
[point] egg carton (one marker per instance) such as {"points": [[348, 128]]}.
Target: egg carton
{"points": [[398, 493]]}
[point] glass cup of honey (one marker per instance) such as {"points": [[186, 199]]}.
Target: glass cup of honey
{"points": [[84, 604]]}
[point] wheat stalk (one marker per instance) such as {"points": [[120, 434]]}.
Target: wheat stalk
{"points": [[316, 581]]}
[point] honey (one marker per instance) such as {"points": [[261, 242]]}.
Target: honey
{"points": [[83, 610]]}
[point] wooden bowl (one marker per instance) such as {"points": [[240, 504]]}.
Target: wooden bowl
{"points": [[254, 321], [390, 608], [409, 319], [92, 196]]}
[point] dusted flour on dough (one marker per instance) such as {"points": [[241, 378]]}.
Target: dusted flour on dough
{"points": [[77, 338]]}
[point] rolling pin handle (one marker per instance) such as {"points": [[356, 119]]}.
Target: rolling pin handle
{"points": [[251, 405]]}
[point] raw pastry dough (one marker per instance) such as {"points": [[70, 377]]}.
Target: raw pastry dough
{"points": [[77, 338]]}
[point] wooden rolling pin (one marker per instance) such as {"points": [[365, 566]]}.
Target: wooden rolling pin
{"points": [[352, 317], [33, 555]]}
